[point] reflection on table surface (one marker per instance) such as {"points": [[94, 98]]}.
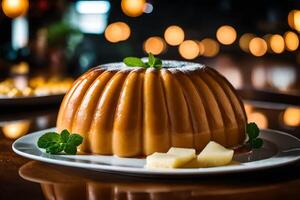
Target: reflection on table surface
{"points": [[59, 182]]}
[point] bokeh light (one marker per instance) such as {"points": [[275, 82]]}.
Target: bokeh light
{"points": [[259, 118], [258, 46], [133, 8], [174, 35], [233, 75], [211, 47], [291, 116], [245, 40], [15, 8], [267, 39], [226, 35], [148, 8], [189, 49], [116, 32], [281, 76], [15, 130], [259, 77], [228, 68], [201, 48], [294, 19], [291, 41], [248, 108], [20, 69], [154, 45], [277, 43]]}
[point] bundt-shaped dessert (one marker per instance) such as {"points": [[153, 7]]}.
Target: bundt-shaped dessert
{"points": [[135, 111]]}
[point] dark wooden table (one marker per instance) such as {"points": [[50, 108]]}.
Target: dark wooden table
{"points": [[21, 178]]}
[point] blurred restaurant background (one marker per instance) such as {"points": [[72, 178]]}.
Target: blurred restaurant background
{"points": [[46, 44]]}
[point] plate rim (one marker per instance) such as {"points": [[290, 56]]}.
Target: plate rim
{"points": [[153, 172]]}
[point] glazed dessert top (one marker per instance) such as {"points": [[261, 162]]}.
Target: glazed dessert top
{"points": [[171, 65]]}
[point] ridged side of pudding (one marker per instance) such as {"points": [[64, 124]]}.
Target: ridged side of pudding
{"points": [[133, 111]]}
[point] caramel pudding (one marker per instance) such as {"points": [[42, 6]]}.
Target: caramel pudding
{"points": [[135, 111]]}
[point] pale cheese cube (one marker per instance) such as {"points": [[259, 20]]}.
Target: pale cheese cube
{"points": [[214, 155], [162, 160], [184, 154]]}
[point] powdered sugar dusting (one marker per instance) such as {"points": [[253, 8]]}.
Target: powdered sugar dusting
{"points": [[170, 65]]}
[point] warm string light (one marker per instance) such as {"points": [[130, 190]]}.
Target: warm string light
{"points": [[267, 39], [116, 32], [189, 49], [245, 40], [201, 48], [133, 8], [211, 47], [294, 19], [154, 45], [291, 116], [258, 46], [226, 35], [15, 8], [174, 35], [277, 43], [291, 41], [259, 118]]}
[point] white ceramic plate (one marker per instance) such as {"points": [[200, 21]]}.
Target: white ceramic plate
{"points": [[279, 149]]}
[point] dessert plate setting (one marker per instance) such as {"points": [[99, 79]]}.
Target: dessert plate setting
{"points": [[279, 149]]}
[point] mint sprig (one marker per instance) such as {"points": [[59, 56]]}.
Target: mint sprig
{"points": [[134, 62], [55, 143], [252, 131], [137, 62]]}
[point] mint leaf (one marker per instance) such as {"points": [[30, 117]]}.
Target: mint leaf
{"points": [[137, 62], [75, 140], [253, 133], [154, 62], [158, 63], [257, 143], [151, 60], [64, 135], [54, 149], [252, 130], [48, 139], [134, 62], [70, 149], [55, 143]]}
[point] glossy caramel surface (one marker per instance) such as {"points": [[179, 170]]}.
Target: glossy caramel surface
{"points": [[131, 112]]}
